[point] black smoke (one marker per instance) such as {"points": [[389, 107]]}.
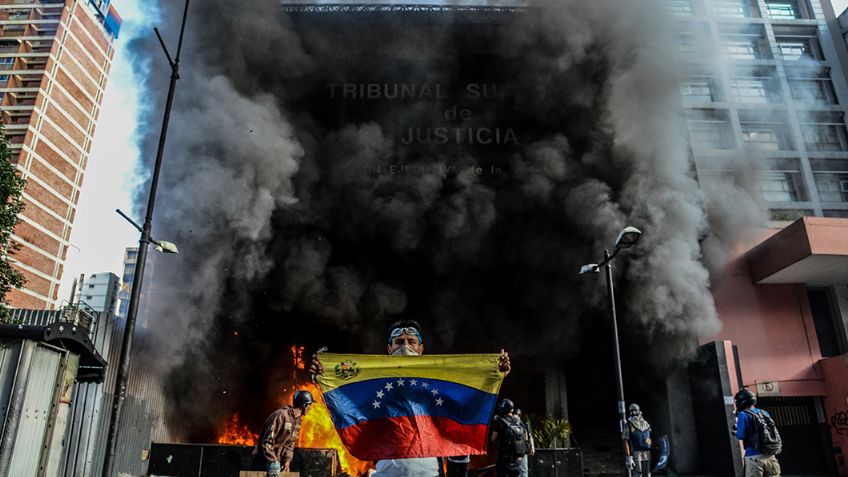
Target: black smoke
{"points": [[295, 228]]}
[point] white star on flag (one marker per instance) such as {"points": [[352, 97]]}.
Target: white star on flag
{"points": [[413, 382], [425, 385], [376, 404], [435, 392], [439, 401], [380, 394], [388, 386], [400, 382]]}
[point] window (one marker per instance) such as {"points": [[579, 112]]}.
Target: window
{"points": [[749, 90], [782, 9], [681, 8], [685, 45], [699, 88], [825, 132], [709, 129], [9, 46], [767, 136], [742, 49], [832, 186], [731, 8], [794, 49], [814, 92], [778, 186], [744, 42], [821, 137], [811, 88], [755, 90]]}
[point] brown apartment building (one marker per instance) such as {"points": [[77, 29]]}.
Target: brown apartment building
{"points": [[54, 60]]}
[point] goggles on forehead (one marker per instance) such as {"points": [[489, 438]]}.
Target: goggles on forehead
{"points": [[408, 330]]}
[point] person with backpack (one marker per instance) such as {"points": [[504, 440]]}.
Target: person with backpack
{"points": [[758, 433], [639, 444], [530, 444], [512, 439]]}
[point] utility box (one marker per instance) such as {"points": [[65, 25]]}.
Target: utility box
{"points": [[565, 462], [36, 382]]}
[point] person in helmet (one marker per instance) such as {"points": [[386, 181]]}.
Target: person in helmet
{"points": [[525, 464], [406, 339], [757, 462], [639, 444], [275, 446], [512, 439]]}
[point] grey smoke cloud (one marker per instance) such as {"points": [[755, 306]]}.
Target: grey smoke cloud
{"points": [[285, 225]]}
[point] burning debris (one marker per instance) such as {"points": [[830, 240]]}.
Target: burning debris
{"points": [[236, 434]]}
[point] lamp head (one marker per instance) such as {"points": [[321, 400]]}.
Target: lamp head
{"points": [[628, 237], [590, 268], [166, 247]]}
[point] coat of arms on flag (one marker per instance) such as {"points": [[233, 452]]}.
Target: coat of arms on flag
{"points": [[398, 407]]}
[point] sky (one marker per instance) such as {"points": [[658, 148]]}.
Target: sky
{"points": [[99, 235], [839, 6]]}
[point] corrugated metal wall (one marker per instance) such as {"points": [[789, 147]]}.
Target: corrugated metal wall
{"points": [[35, 372], [142, 419]]}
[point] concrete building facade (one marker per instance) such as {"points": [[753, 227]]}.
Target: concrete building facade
{"points": [[130, 257], [764, 82], [55, 58], [99, 292], [765, 92]]}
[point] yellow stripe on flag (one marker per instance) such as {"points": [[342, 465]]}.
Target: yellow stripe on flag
{"points": [[478, 371]]}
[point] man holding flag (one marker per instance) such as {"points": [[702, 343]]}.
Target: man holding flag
{"points": [[404, 412]]}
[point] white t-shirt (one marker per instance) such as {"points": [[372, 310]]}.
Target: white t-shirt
{"points": [[424, 467]]}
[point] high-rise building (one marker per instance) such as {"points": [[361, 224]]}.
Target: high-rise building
{"points": [[130, 257], [55, 57], [764, 83], [99, 292]]}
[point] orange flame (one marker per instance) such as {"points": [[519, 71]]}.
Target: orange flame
{"points": [[297, 357], [233, 433], [317, 430]]}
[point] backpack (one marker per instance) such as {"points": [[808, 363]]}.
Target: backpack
{"points": [[513, 442], [764, 435]]}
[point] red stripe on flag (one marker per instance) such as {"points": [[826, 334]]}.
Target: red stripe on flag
{"points": [[408, 437]]}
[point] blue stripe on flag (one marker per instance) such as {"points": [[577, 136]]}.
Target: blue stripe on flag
{"points": [[361, 401]]}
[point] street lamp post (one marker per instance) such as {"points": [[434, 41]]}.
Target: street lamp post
{"points": [[143, 242], [626, 239]]}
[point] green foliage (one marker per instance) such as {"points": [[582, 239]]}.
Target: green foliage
{"points": [[549, 432], [11, 188]]}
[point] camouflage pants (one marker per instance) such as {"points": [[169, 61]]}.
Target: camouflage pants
{"points": [[762, 466]]}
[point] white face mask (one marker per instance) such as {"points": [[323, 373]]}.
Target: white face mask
{"points": [[404, 351]]}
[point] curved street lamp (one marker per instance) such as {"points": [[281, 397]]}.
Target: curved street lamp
{"points": [[144, 241], [626, 239]]}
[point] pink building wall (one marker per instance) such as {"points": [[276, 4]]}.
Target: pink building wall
{"points": [[772, 327], [836, 406]]}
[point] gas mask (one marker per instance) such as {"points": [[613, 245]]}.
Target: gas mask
{"points": [[404, 351]]}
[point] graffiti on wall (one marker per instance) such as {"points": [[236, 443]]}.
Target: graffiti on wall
{"points": [[839, 422]]}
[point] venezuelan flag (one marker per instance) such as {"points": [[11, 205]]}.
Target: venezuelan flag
{"points": [[400, 407]]}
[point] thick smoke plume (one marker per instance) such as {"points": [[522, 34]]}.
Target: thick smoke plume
{"points": [[293, 229]]}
